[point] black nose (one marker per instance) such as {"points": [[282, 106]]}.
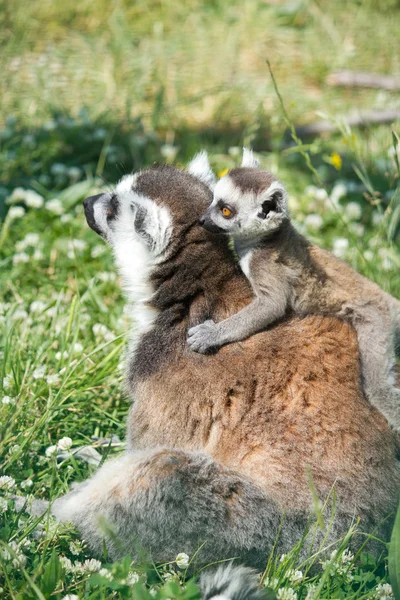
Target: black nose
{"points": [[88, 205], [88, 202]]}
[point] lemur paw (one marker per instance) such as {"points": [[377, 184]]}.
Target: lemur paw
{"points": [[203, 337]]}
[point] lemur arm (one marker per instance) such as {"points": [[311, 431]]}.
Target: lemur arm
{"points": [[263, 310]]}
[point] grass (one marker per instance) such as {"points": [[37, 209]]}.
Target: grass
{"points": [[172, 78]]}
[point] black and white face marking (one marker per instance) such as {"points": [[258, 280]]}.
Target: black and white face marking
{"points": [[244, 211], [139, 231]]}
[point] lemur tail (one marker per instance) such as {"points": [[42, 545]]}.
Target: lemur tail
{"points": [[230, 582]]}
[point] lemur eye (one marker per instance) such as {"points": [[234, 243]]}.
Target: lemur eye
{"points": [[226, 212]]}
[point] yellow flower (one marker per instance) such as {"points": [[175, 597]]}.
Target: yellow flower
{"points": [[222, 173], [336, 161]]}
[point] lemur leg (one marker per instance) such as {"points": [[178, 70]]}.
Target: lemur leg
{"points": [[378, 362], [167, 501], [251, 319]]}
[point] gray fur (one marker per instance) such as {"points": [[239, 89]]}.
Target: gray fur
{"points": [[289, 274]]}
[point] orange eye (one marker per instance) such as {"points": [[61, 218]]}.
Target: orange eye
{"points": [[226, 211]]}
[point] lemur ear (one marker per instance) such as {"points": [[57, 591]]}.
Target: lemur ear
{"points": [[249, 160], [275, 202], [200, 167]]}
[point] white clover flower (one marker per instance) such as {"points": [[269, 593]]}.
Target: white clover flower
{"points": [[60, 355], [338, 191], [17, 195], [169, 152], [353, 211], [313, 221], [64, 444], [32, 239], [75, 547], [58, 169], [4, 553], [377, 218], [8, 400], [7, 483], [78, 348], [105, 276], [310, 191], [74, 173], [384, 591], [311, 589], [286, 594], [78, 245], [234, 151], [66, 564], [106, 574], [19, 314], [91, 565], [39, 373], [3, 505], [26, 484], [294, 576], [101, 330], [66, 218], [70, 597], [8, 381], [132, 578], [38, 254], [52, 379], [320, 194], [182, 560], [20, 258], [357, 229], [98, 251], [37, 306], [33, 199], [51, 450], [347, 556], [15, 212], [387, 264], [340, 247], [55, 206], [14, 449], [18, 559], [368, 255]]}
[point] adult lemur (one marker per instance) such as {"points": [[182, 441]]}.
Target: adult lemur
{"points": [[290, 274], [220, 447]]}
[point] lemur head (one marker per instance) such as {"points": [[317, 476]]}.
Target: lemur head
{"points": [[248, 202], [151, 207], [144, 219]]}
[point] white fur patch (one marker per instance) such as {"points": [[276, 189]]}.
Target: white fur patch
{"points": [[249, 160], [200, 167], [126, 183], [134, 259], [245, 263]]}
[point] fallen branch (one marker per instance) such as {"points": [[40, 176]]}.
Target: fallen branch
{"points": [[360, 120], [365, 80]]}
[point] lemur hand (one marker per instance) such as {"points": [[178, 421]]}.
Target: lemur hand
{"points": [[204, 336]]}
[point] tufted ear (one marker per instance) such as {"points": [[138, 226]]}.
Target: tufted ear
{"points": [[200, 167], [249, 160]]}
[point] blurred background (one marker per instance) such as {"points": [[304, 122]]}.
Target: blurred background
{"points": [[95, 89]]}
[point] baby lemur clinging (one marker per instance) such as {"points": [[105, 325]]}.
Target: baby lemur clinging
{"points": [[289, 273]]}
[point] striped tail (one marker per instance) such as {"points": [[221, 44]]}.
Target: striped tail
{"points": [[230, 582]]}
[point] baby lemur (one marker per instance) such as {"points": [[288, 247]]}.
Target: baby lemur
{"points": [[289, 273]]}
